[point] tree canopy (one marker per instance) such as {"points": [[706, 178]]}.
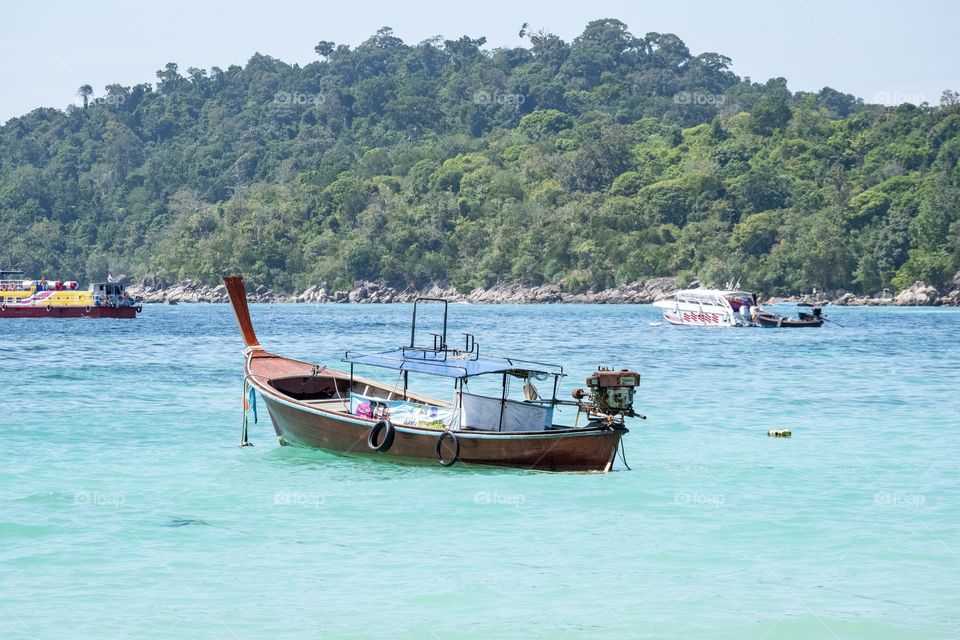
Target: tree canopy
{"points": [[612, 158]]}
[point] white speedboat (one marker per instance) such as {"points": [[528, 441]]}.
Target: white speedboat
{"points": [[710, 308]]}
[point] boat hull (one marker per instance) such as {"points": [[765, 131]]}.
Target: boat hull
{"points": [[12, 311], [590, 450]]}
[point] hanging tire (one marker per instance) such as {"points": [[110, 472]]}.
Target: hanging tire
{"points": [[456, 449], [49, 308], [139, 308], [3, 306], [388, 434]]}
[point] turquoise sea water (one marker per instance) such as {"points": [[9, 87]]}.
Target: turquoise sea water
{"points": [[127, 510]]}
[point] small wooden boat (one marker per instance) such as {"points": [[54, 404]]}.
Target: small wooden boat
{"points": [[774, 321], [315, 406]]}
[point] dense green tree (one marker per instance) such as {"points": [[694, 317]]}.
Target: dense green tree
{"points": [[85, 92], [603, 160], [771, 113]]}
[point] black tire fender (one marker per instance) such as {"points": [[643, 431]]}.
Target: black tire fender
{"points": [[388, 435], [456, 449]]}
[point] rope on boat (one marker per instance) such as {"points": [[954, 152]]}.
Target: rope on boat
{"points": [[623, 455], [396, 385], [249, 400], [243, 428]]}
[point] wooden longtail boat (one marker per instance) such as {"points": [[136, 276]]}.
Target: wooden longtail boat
{"points": [[315, 406], [805, 320]]}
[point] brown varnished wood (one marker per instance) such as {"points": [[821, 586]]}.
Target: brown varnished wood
{"points": [[238, 299]]}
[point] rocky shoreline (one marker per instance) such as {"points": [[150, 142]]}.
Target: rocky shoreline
{"points": [[919, 295], [652, 290], [189, 291]]}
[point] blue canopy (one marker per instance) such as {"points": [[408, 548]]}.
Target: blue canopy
{"points": [[442, 363]]}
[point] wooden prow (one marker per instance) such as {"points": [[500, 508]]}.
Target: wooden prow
{"points": [[238, 298]]}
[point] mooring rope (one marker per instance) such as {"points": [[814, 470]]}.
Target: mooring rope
{"points": [[623, 455], [249, 400]]}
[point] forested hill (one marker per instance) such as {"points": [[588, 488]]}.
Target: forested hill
{"points": [[608, 159]]}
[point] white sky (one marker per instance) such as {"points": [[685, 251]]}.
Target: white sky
{"points": [[881, 51]]}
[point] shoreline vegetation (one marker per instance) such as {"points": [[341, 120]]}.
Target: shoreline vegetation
{"points": [[609, 159], [188, 291]]}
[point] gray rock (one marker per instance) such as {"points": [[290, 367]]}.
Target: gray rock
{"points": [[920, 294]]}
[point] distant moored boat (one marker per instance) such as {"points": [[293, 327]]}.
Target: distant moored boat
{"points": [[710, 308], [20, 298]]}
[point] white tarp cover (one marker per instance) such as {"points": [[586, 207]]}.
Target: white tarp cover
{"points": [[481, 412]]}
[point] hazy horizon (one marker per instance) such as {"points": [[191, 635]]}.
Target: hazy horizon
{"points": [[881, 52]]}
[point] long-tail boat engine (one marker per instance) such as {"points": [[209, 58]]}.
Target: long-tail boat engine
{"points": [[610, 396]]}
